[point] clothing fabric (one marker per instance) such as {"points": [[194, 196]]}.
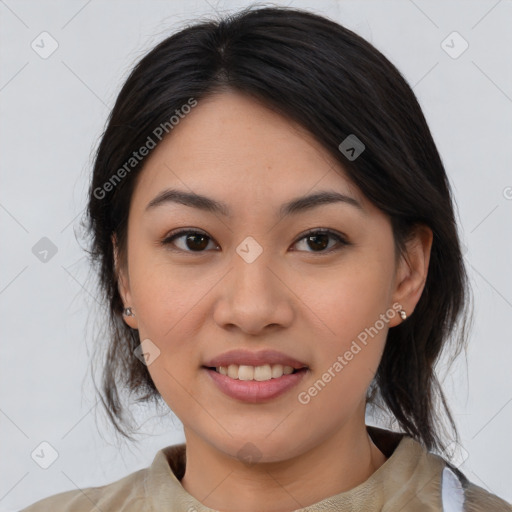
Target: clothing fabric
{"points": [[410, 480]]}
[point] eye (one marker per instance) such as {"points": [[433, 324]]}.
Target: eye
{"points": [[318, 239], [194, 241], [198, 241]]}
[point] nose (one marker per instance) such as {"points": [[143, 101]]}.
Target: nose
{"points": [[254, 297]]}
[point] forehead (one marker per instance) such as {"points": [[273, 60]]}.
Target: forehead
{"points": [[233, 148]]}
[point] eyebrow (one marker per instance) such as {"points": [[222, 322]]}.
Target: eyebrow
{"points": [[297, 205]]}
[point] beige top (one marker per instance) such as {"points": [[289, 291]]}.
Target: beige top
{"points": [[410, 480]]}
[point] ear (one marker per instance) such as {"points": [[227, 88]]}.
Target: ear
{"points": [[411, 274], [123, 284]]}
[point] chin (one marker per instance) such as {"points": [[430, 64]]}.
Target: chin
{"points": [[258, 448]]}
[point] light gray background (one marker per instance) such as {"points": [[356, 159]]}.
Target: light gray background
{"points": [[52, 113]]}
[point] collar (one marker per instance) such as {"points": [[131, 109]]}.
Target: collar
{"points": [[408, 480]]}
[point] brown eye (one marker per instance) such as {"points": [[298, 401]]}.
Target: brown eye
{"points": [[318, 240], [193, 241]]}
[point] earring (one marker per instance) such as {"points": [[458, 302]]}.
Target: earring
{"points": [[402, 314], [128, 312]]}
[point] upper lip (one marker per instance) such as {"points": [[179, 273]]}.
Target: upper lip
{"points": [[260, 358]]}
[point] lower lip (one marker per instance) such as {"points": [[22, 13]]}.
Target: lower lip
{"points": [[254, 391]]}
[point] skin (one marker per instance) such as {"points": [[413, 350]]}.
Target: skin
{"points": [[292, 298]]}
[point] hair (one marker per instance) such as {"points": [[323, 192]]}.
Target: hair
{"points": [[333, 83]]}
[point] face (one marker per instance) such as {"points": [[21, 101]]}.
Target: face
{"points": [[256, 277]]}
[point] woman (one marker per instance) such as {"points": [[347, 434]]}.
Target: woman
{"points": [[275, 238]]}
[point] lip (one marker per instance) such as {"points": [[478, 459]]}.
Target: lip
{"points": [[246, 357], [253, 391]]}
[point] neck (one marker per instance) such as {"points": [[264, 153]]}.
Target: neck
{"points": [[340, 463]]}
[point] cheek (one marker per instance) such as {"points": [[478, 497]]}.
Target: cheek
{"points": [[164, 293], [354, 310], [349, 299], [167, 299]]}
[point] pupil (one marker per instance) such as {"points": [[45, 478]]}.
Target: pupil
{"points": [[321, 245], [195, 238]]}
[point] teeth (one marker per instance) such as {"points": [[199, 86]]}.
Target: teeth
{"points": [[258, 373], [246, 372], [277, 370]]}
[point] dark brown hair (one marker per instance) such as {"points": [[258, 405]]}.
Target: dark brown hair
{"points": [[332, 82]]}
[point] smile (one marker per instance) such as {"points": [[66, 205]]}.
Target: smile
{"points": [[259, 373], [255, 384]]}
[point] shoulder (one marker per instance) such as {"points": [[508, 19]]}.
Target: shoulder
{"points": [[461, 495], [416, 477], [155, 487], [458, 494], [127, 494], [124, 495]]}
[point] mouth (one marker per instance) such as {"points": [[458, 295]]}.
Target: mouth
{"points": [[255, 376], [260, 373], [255, 384]]}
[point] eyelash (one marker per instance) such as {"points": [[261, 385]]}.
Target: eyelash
{"points": [[339, 238]]}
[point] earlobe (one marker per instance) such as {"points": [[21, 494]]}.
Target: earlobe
{"points": [[123, 287], [129, 317], [411, 275]]}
